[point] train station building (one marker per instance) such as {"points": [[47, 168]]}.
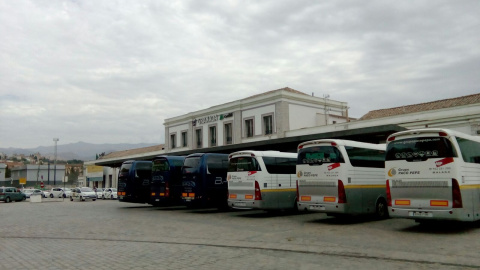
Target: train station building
{"points": [[281, 119]]}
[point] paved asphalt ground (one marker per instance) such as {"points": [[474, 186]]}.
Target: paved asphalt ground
{"points": [[59, 234]]}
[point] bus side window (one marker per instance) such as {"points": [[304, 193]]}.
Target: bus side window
{"points": [[277, 165], [217, 165], [470, 150]]}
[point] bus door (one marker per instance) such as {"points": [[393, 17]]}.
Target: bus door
{"points": [[143, 176], [216, 179], [285, 181]]}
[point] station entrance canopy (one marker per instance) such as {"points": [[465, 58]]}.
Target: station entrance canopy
{"points": [[376, 134]]}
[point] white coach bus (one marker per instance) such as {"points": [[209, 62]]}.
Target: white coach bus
{"points": [[342, 177], [262, 180], [433, 174]]}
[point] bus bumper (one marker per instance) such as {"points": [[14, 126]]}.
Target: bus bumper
{"points": [[244, 204], [458, 214], [322, 207]]}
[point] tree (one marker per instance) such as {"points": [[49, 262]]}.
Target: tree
{"points": [[8, 172], [73, 175]]}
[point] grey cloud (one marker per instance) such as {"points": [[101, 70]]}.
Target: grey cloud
{"points": [[81, 70]]}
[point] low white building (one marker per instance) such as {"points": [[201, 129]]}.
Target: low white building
{"points": [[34, 175], [99, 176], [3, 171]]}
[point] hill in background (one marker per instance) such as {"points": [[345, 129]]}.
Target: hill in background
{"points": [[80, 151]]}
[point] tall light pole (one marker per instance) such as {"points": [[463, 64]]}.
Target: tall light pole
{"points": [[325, 96], [55, 162]]}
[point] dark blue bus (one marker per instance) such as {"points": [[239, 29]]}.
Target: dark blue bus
{"points": [[166, 185], [204, 180], [134, 181]]}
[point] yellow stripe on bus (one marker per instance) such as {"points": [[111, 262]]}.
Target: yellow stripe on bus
{"points": [[279, 190], [469, 186]]}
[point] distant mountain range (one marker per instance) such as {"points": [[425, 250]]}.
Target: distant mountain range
{"points": [[80, 151]]}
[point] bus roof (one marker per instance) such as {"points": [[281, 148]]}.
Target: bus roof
{"points": [[263, 154], [170, 157], [431, 132], [136, 161], [202, 154], [344, 143]]}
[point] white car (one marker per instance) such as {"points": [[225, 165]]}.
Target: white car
{"points": [[110, 193], [45, 193], [68, 192], [59, 193], [99, 192], [31, 191], [83, 193]]}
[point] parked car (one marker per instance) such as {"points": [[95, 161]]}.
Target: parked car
{"points": [[99, 192], [83, 193], [45, 193], [68, 192], [8, 194], [32, 191], [110, 193], [58, 193]]}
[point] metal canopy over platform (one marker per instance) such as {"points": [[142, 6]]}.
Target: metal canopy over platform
{"points": [[377, 134]]}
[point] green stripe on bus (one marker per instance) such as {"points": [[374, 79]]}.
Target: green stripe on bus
{"points": [[279, 190], [365, 186]]}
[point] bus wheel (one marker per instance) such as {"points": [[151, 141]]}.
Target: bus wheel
{"points": [[381, 210]]}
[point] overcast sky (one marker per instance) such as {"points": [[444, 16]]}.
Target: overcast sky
{"points": [[112, 71]]}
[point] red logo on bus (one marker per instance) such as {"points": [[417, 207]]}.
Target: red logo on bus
{"points": [[444, 161], [251, 172], [333, 166]]}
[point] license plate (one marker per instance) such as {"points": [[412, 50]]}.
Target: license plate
{"points": [[317, 207], [420, 214], [157, 200], [240, 204], [120, 197]]}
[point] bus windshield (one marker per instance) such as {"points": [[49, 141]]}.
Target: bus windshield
{"points": [[240, 164], [319, 155], [125, 167], [191, 165], [420, 149], [160, 165]]}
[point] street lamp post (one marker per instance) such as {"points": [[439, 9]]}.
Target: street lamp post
{"points": [[55, 162]]}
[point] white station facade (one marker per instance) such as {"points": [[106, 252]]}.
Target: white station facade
{"points": [[281, 119]]}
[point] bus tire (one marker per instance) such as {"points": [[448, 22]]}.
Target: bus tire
{"points": [[381, 209]]}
